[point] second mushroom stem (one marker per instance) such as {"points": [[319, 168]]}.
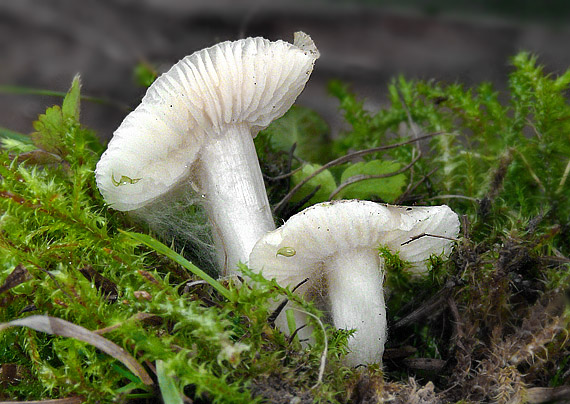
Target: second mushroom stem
{"points": [[231, 182], [357, 302]]}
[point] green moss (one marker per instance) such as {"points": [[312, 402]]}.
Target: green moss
{"points": [[496, 307]]}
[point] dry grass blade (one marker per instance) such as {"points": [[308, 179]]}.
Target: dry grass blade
{"points": [[57, 326]]}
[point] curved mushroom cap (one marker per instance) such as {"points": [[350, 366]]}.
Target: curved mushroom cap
{"points": [[248, 82], [301, 247]]}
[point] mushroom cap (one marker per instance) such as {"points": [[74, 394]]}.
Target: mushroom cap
{"points": [[301, 247], [249, 82]]}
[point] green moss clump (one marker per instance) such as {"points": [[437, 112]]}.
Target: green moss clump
{"points": [[62, 255], [488, 324]]}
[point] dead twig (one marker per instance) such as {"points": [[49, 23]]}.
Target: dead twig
{"points": [[414, 238], [530, 170], [413, 188], [363, 177], [344, 159], [467, 198], [283, 176], [433, 306]]}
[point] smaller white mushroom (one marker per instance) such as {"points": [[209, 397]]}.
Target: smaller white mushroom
{"points": [[335, 245]]}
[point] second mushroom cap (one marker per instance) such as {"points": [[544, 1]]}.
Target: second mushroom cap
{"points": [[336, 246]]}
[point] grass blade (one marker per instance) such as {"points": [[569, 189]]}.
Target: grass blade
{"points": [[170, 394], [50, 93], [6, 133], [179, 259]]}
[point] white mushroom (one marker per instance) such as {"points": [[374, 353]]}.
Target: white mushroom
{"points": [[195, 125], [335, 245]]}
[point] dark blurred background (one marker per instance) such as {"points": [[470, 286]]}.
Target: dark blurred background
{"points": [[44, 43]]}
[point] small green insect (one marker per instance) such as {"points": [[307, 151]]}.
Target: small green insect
{"points": [[124, 180], [286, 251]]}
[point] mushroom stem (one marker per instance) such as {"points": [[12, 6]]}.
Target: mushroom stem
{"points": [[229, 177], [357, 302]]}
